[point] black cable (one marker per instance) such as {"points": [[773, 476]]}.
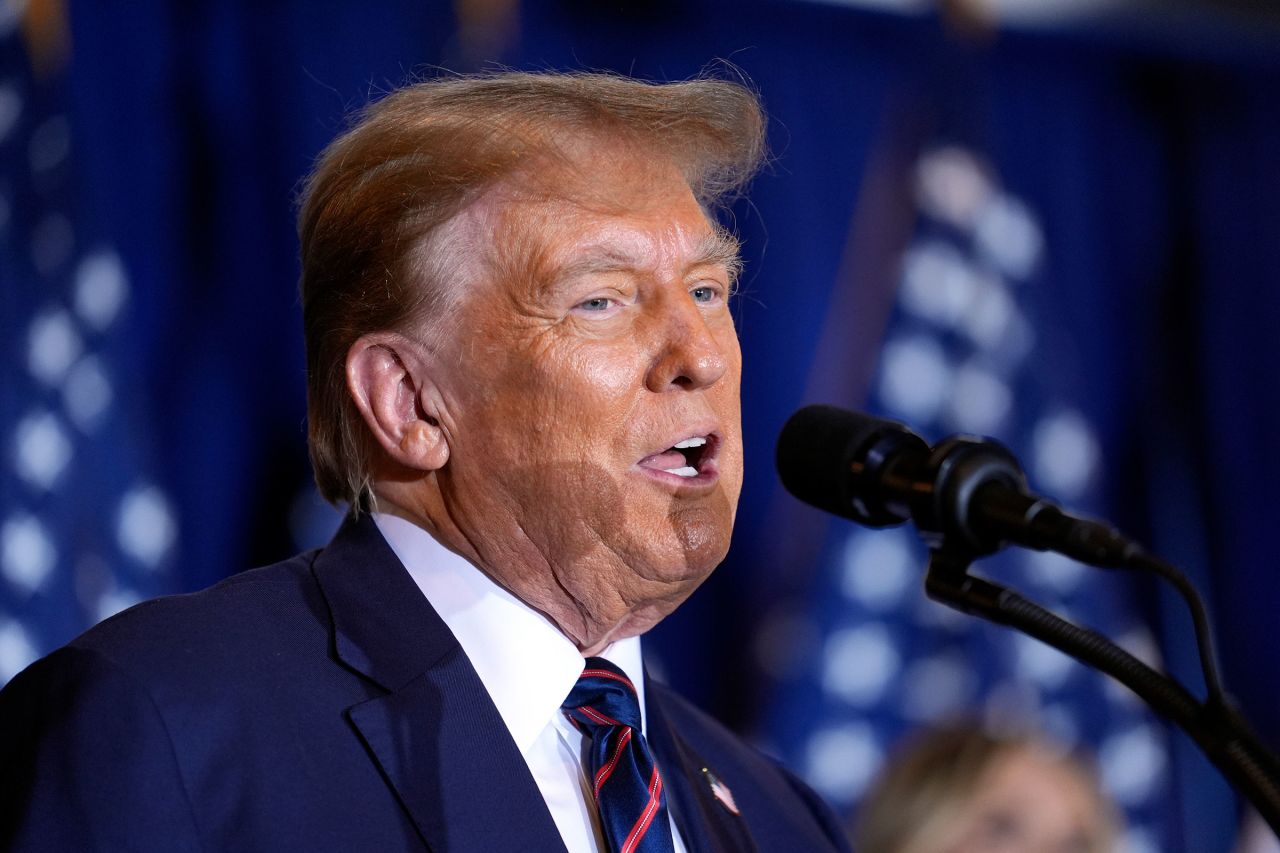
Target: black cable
{"points": [[997, 515], [1142, 560]]}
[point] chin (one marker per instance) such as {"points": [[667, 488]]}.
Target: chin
{"points": [[703, 539], [678, 546]]}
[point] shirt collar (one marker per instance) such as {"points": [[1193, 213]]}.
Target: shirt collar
{"points": [[524, 661]]}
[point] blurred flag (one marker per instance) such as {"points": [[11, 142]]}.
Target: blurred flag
{"points": [[971, 346], [85, 530]]}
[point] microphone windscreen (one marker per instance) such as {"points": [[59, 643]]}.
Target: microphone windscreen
{"points": [[816, 449]]}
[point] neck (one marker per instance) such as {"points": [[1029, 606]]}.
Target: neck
{"points": [[591, 619]]}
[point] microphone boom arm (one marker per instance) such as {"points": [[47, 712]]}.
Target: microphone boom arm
{"points": [[1215, 726]]}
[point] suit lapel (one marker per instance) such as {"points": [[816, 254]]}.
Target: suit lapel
{"points": [[706, 824], [436, 736]]}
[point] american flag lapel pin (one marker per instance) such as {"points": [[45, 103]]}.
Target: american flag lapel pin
{"points": [[720, 791]]}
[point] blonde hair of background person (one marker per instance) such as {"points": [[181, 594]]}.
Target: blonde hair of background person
{"points": [[960, 789]]}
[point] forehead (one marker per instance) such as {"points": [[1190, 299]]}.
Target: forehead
{"points": [[626, 216]]}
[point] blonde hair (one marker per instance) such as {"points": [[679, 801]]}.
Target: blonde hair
{"points": [[927, 783], [372, 208]]}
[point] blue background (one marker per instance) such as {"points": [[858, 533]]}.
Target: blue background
{"points": [[1149, 153]]}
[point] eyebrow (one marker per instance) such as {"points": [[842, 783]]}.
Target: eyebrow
{"points": [[720, 247], [717, 248]]}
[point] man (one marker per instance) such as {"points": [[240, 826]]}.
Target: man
{"points": [[523, 378]]}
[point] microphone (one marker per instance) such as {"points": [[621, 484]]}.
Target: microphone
{"points": [[969, 497], [964, 492]]}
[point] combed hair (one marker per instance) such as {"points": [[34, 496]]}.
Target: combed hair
{"points": [[413, 160]]}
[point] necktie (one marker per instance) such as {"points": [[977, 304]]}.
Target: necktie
{"points": [[624, 778]]}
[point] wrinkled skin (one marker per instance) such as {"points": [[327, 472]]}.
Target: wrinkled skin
{"points": [[593, 332]]}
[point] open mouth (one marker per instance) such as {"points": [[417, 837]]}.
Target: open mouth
{"points": [[689, 459]]}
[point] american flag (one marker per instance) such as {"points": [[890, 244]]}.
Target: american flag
{"points": [[86, 527], [966, 349]]}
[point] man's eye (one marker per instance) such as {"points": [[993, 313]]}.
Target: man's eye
{"points": [[703, 294], [600, 303]]}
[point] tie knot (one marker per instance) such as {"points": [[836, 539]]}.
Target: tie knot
{"points": [[603, 696]]}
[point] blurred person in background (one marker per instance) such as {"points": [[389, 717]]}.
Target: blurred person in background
{"points": [[961, 789]]}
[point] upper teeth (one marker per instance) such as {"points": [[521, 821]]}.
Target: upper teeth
{"points": [[697, 441]]}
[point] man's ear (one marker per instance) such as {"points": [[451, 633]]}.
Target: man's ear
{"points": [[389, 382]]}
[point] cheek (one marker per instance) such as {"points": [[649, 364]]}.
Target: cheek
{"points": [[731, 383], [563, 506], [610, 371], [553, 406], [726, 335], [584, 397], [729, 409]]}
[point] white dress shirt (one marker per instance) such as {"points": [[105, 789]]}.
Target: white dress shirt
{"points": [[528, 667]]}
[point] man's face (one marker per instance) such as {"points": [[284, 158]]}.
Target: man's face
{"points": [[591, 395]]}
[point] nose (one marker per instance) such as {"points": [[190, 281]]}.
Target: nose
{"points": [[688, 356]]}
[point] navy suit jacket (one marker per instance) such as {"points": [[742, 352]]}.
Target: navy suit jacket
{"points": [[321, 704]]}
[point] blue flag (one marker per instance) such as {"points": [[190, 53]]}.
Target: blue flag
{"points": [[86, 528], [968, 345]]}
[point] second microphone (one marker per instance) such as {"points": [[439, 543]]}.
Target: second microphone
{"points": [[965, 492]]}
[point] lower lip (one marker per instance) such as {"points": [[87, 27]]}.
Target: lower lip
{"points": [[707, 476]]}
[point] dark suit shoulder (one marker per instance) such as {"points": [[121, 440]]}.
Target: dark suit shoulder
{"points": [[271, 584], [222, 719], [193, 720], [88, 761], [252, 612], [213, 656]]}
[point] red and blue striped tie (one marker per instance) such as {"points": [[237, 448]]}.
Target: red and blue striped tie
{"points": [[624, 777]]}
